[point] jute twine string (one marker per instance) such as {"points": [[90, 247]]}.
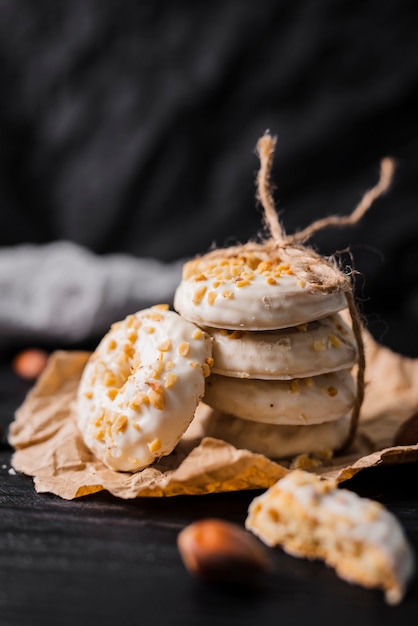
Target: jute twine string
{"points": [[319, 273], [318, 270]]}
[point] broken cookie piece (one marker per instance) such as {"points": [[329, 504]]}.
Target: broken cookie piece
{"points": [[311, 517]]}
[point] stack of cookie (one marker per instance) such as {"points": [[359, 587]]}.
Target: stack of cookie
{"points": [[281, 381]]}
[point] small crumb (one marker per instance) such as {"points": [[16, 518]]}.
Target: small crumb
{"points": [[12, 471], [305, 462]]}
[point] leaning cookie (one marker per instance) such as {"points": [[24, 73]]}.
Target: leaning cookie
{"points": [[312, 518], [140, 388], [258, 290], [298, 402], [275, 442], [310, 349]]}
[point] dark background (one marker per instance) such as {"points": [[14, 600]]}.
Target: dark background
{"points": [[131, 126]]}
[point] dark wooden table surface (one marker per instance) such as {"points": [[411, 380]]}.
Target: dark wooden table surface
{"points": [[100, 560]]}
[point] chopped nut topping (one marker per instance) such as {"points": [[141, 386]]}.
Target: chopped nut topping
{"points": [[112, 393], [149, 329], [227, 294], [197, 334], [132, 322], [112, 344], [129, 350], [135, 404], [242, 283], [99, 421], [302, 328], [156, 398], [162, 307], [158, 370], [294, 386], [100, 434], [198, 295], [155, 445], [264, 266], [212, 295], [332, 391], [133, 336], [110, 379], [165, 346], [157, 317], [184, 348], [334, 341], [319, 345], [88, 394], [142, 398], [121, 424], [308, 382], [205, 370], [170, 380]]}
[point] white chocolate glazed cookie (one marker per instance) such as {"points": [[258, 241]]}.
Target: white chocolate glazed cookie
{"points": [[140, 388], [275, 442], [253, 291], [310, 349], [298, 402], [312, 518]]}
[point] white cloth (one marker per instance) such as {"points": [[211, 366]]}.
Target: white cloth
{"points": [[64, 294]]}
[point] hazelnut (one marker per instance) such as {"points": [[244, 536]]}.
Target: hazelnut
{"points": [[407, 433], [221, 552], [30, 363]]}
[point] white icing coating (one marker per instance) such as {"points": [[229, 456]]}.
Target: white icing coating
{"points": [[296, 402], [358, 536], [272, 440], [310, 349], [251, 292], [140, 388]]}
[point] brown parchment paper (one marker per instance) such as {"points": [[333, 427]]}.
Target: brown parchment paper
{"points": [[49, 448]]}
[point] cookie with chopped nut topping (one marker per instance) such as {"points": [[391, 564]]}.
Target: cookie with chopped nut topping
{"points": [[141, 386], [296, 402], [255, 291], [272, 440], [310, 349], [313, 518]]}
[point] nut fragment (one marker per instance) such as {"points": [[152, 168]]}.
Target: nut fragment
{"points": [[407, 433], [221, 552]]}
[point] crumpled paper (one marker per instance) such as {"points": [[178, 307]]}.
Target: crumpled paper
{"points": [[49, 447]]}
